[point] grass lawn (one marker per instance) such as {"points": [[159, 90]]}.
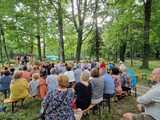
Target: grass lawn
{"points": [[32, 108]]}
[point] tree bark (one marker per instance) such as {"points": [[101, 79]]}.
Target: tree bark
{"points": [[79, 25], [44, 47], [59, 11], [147, 17], [60, 29], [124, 45], [39, 47], [1, 49], [4, 42], [38, 32], [79, 45], [131, 52], [97, 36], [157, 54], [123, 51]]}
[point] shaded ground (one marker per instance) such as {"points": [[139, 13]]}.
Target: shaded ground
{"points": [[32, 107]]}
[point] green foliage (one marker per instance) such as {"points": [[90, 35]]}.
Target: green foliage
{"points": [[120, 21]]}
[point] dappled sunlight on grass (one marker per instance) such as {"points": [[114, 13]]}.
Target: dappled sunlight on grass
{"points": [[31, 110]]}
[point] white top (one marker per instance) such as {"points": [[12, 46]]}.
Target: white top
{"points": [[149, 100], [70, 75]]}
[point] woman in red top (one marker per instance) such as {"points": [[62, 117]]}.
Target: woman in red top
{"points": [[42, 88], [102, 65]]}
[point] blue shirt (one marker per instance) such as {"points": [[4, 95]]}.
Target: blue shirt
{"points": [[5, 82], [33, 87], [109, 86], [52, 83], [77, 74]]}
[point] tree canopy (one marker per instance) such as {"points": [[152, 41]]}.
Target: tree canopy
{"points": [[80, 29]]}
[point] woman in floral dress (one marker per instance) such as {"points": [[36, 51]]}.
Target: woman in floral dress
{"points": [[117, 82], [56, 106]]}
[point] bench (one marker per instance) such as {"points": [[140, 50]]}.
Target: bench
{"points": [[5, 92], [14, 102], [94, 109], [107, 101], [97, 108]]}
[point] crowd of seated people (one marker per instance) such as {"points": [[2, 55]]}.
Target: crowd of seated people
{"points": [[61, 85]]}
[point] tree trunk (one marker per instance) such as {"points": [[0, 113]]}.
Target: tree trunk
{"points": [[79, 45], [116, 56], [157, 54], [39, 47], [79, 24], [123, 51], [1, 49], [97, 36], [38, 32], [131, 52], [44, 47], [124, 45], [147, 16], [31, 46], [60, 28], [4, 42]]}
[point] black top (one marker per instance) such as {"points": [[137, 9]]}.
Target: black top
{"points": [[84, 94]]}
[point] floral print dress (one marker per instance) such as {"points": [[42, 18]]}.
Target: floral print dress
{"points": [[57, 105], [117, 82]]}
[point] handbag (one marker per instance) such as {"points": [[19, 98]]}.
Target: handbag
{"points": [[73, 103]]}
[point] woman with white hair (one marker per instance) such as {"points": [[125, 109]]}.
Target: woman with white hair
{"points": [[83, 91]]}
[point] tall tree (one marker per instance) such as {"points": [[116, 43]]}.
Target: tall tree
{"points": [[38, 31], [59, 13], [147, 18], [97, 36], [4, 42], [81, 6]]}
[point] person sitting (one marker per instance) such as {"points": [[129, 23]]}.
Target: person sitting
{"points": [[97, 86], [70, 74], [26, 74], [19, 87], [150, 102], [42, 86], [83, 91], [110, 67], [5, 81], [35, 69], [12, 70], [117, 82], [102, 65], [56, 106], [109, 86], [51, 80], [125, 80], [33, 85], [77, 73]]}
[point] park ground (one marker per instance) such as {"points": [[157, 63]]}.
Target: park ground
{"points": [[31, 108]]}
